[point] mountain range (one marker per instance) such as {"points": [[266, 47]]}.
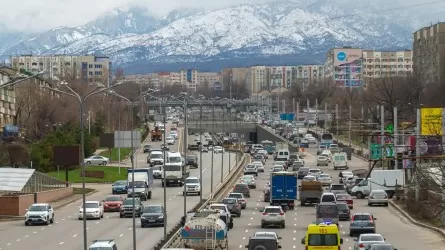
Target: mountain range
{"points": [[280, 33]]}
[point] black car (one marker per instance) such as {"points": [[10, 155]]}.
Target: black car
{"points": [[266, 194], [193, 147], [165, 147], [302, 172], [191, 160], [127, 207], [343, 211], [147, 148], [262, 242], [152, 215]]}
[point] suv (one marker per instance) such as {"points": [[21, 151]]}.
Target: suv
{"points": [[223, 207], [39, 213], [362, 223], [242, 188], [273, 215], [103, 245], [127, 207], [192, 185], [262, 242], [191, 160], [147, 148]]}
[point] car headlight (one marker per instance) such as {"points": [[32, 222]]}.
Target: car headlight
{"points": [[161, 216]]}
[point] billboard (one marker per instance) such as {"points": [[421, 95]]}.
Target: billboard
{"points": [[431, 120], [348, 67]]}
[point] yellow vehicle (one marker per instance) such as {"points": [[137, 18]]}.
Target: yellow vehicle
{"points": [[322, 236]]}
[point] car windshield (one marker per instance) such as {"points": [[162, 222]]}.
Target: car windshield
{"points": [[371, 238], [266, 234], [129, 202], [120, 183], [229, 201], [343, 197], [91, 205], [337, 187], [218, 207], [323, 240], [293, 156], [379, 193], [137, 184], [240, 186], [191, 157], [342, 206], [324, 176], [157, 168], [382, 247], [362, 217], [315, 171], [172, 168], [156, 156], [193, 180], [152, 210], [236, 195], [322, 147], [272, 210], [37, 208], [175, 159], [113, 198]]}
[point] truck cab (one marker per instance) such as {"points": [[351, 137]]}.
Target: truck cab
{"points": [[173, 170], [340, 161]]}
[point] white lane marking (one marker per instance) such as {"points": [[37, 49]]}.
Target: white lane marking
{"points": [[57, 222], [240, 246], [120, 235], [88, 228], [26, 236], [69, 216], [247, 230], [350, 248], [259, 201], [347, 239], [42, 228], [257, 204], [295, 218], [295, 225], [97, 222], [130, 228], [17, 240], [34, 232], [9, 244], [244, 238], [74, 236], [107, 217], [253, 213], [294, 239], [50, 225], [294, 247], [63, 219], [251, 218], [256, 208], [61, 243]]}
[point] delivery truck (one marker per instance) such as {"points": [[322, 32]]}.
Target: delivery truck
{"points": [[310, 192], [156, 134], [283, 191], [142, 181], [391, 181]]}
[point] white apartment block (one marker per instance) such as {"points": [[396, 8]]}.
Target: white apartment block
{"points": [[387, 63], [7, 98], [194, 79], [88, 69]]}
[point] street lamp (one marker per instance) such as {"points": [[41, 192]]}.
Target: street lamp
{"points": [[201, 147], [164, 103], [131, 103], [81, 100]]}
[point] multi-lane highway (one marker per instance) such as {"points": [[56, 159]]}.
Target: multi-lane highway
{"points": [[66, 232], [396, 229]]}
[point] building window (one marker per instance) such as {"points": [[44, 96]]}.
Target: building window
{"points": [[90, 66], [98, 66], [97, 73], [90, 73]]}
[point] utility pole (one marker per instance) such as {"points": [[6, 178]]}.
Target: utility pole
{"points": [[316, 113], [350, 125], [325, 115], [396, 161], [382, 132], [298, 111], [336, 120], [293, 105], [417, 150]]}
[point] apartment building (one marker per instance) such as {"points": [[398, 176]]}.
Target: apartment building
{"points": [[429, 53], [88, 69], [8, 96], [138, 79], [378, 64], [234, 76], [344, 67], [193, 79]]}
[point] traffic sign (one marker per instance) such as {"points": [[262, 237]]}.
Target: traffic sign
{"points": [[389, 150], [376, 151], [287, 116], [390, 128]]}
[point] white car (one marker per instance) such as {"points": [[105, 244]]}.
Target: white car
{"points": [[174, 134], [169, 140], [315, 172], [259, 166], [222, 207], [103, 244], [345, 175], [218, 149], [264, 153], [158, 171], [273, 215], [366, 240], [93, 209], [268, 234], [325, 179], [96, 160], [312, 140], [192, 185], [39, 213]]}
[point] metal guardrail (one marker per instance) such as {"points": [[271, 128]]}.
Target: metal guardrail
{"points": [[173, 241]]}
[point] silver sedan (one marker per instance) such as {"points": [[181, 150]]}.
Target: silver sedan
{"points": [[378, 197]]}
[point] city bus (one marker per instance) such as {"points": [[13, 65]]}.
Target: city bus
{"points": [[326, 139]]}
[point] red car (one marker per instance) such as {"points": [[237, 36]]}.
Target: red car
{"points": [[346, 198], [112, 203]]}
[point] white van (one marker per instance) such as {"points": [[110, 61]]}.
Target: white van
{"points": [[340, 161], [282, 155], [173, 169]]}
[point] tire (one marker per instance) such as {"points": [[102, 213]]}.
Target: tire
{"points": [[80, 218], [102, 216], [52, 220], [26, 223], [351, 234], [121, 216], [283, 225], [149, 195], [359, 195], [104, 163], [386, 204], [47, 221], [88, 163], [262, 225], [369, 204]]}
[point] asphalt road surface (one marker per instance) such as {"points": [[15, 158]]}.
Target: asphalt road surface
{"points": [[66, 233], [395, 228]]}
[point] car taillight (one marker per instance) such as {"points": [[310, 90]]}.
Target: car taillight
{"points": [[264, 213], [361, 245], [281, 213]]}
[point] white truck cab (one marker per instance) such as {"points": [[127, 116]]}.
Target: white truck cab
{"points": [[340, 161]]}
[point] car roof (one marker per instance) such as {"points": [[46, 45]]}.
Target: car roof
{"points": [[272, 207], [362, 213], [102, 243], [91, 201], [192, 177], [327, 193]]}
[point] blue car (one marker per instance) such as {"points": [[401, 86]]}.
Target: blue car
{"points": [[119, 187]]}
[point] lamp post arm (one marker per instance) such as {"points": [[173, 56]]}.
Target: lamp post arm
{"points": [[73, 92], [77, 97]]}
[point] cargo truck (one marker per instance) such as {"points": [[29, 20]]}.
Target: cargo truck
{"points": [[283, 191], [142, 182], [205, 233], [156, 134], [391, 181], [310, 192]]}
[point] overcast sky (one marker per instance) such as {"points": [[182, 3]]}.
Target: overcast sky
{"points": [[39, 15]]}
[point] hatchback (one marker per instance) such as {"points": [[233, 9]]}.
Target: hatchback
{"points": [[273, 215], [242, 188]]}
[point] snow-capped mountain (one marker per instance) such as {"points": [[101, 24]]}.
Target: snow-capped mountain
{"points": [[279, 33]]}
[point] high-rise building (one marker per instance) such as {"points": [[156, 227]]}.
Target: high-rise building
{"points": [[233, 77], [88, 69], [429, 54], [344, 66], [378, 64], [193, 79]]}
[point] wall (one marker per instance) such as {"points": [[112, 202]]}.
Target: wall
{"points": [[17, 205], [264, 134]]}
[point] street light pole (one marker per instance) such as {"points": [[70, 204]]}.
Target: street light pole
{"points": [[213, 150], [200, 153], [81, 100]]}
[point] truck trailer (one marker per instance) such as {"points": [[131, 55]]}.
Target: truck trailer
{"points": [[283, 189]]}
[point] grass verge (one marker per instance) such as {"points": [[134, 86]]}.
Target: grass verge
{"points": [[80, 190], [111, 174], [124, 152]]}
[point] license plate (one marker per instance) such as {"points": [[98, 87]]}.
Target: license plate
{"points": [[171, 181], [151, 220], [34, 219], [273, 215]]}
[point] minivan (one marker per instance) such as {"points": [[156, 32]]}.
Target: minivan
{"points": [[282, 155]]}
